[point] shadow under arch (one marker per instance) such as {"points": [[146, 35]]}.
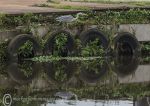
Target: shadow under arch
{"points": [[92, 34], [24, 72], [126, 44]]}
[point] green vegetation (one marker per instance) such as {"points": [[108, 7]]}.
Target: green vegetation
{"points": [[140, 3], [145, 50], [145, 59], [29, 21], [93, 66], [129, 91], [132, 16], [60, 74], [3, 50], [3, 69], [60, 42], [25, 22], [57, 58], [91, 51], [120, 91], [92, 48], [26, 50], [26, 69], [2, 18], [146, 46], [78, 47]]}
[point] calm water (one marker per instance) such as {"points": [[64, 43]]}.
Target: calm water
{"points": [[122, 81]]}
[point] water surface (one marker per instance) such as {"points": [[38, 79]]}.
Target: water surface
{"points": [[120, 81]]}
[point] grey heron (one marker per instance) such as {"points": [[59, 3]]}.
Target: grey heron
{"points": [[66, 95], [69, 18]]}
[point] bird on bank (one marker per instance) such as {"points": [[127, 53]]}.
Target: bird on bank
{"points": [[69, 18]]}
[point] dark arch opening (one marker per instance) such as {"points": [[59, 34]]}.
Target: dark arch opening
{"points": [[94, 43], [60, 43], [124, 48], [126, 44], [21, 45], [25, 50], [92, 34]]}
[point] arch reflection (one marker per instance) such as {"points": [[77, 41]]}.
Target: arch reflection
{"points": [[23, 72], [59, 72], [93, 71], [125, 65]]}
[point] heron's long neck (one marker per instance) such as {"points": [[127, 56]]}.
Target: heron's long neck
{"points": [[76, 97], [78, 15]]}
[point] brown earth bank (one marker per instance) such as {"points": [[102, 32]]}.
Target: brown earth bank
{"points": [[25, 6]]}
